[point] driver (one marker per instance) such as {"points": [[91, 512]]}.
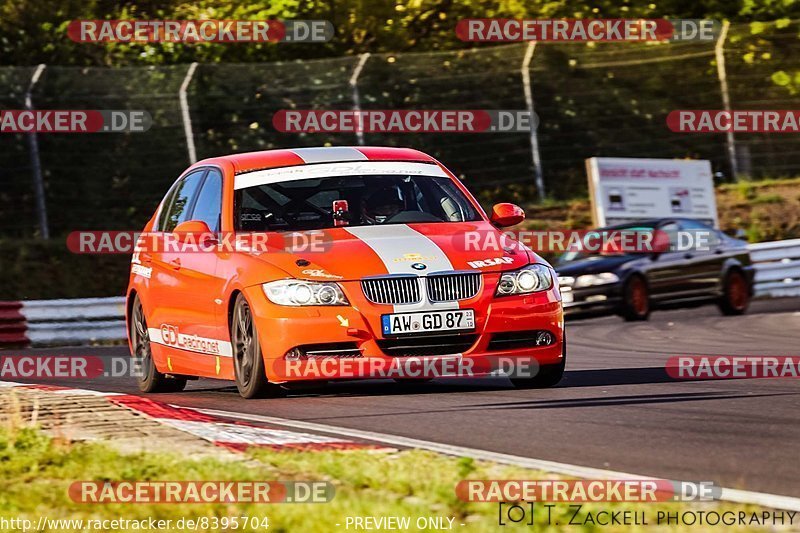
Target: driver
{"points": [[382, 205]]}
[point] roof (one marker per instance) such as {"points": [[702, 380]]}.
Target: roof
{"points": [[250, 161]]}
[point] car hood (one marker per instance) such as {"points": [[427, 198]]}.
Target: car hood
{"points": [[362, 251]]}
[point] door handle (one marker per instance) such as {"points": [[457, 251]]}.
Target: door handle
{"points": [[688, 255], [175, 263]]}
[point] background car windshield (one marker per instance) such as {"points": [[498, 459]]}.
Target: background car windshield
{"points": [[386, 199], [574, 255]]}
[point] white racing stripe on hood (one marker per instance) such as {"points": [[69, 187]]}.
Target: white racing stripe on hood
{"points": [[399, 247]]}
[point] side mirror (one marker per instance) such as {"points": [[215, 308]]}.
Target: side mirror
{"points": [[505, 215], [196, 232]]}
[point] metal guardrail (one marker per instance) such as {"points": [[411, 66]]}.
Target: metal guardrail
{"points": [[74, 321], [87, 320], [777, 268]]}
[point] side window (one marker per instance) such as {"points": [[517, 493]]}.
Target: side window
{"points": [[177, 209], [671, 229], [702, 236], [209, 201]]}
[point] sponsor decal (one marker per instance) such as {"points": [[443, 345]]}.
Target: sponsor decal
{"points": [[329, 170], [319, 273], [141, 270], [414, 257], [169, 335], [492, 261]]}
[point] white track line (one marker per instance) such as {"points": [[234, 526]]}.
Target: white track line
{"points": [[773, 501]]}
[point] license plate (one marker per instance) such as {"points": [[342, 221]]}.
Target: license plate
{"points": [[455, 320]]}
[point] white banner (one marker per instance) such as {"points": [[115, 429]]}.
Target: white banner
{"points": [[629, 189]]}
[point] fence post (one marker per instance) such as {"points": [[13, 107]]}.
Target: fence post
{"points": [[187, 118], [362, 60], [36, 163], [719, 52], [534, 138]]}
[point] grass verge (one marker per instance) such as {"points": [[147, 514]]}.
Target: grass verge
{"points": [[36, 470]]}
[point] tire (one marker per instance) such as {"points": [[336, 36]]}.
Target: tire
{"points": [[548, 375], [635, 300], [248, 362], [149, 379], [735, 294]]}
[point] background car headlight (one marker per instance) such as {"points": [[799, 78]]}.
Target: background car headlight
{"points": [[297, 292], [532, 278], [589, 280]]}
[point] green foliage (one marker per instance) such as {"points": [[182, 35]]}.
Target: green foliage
{"points": [[35, 269], [34, 31]]}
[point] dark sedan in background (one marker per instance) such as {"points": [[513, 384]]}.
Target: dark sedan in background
{"points": [[697, 264]]}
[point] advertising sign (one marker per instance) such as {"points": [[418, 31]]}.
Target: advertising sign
{"points": [[629, 189]]}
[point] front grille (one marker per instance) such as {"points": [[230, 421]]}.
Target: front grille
{"points": [[453, 287], [397, 290], [427, 345], [392, 290]]}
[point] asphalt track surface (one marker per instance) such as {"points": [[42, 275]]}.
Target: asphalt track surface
{"points": [[616, 408]]}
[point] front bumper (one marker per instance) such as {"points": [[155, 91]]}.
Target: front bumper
{"points": [[607, 297], [498, 341]]}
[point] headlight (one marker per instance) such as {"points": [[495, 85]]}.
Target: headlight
{"points": [[297, 292], [589, 280], [532, 278]]}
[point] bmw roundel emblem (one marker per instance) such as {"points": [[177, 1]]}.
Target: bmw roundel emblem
{"points": [[419, 266]]}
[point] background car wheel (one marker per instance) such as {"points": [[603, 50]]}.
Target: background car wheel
{"points": [[148, 378], [735, 294], [635, 300], [248, 362], [548, 375]]}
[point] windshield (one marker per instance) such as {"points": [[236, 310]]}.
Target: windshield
{"points": [[583, 253], [320, 203]]}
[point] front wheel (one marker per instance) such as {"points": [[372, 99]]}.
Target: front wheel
{"points": [[735, 294], [148, 377], [248, 362], [635, 300]]}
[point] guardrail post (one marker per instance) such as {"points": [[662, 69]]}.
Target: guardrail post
{"points": [[534, 138], [186, 116], [36, 163], [719, 52], [362, 60]]}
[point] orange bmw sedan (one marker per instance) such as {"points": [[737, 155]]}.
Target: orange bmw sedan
{"points": [[316, 264]]}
